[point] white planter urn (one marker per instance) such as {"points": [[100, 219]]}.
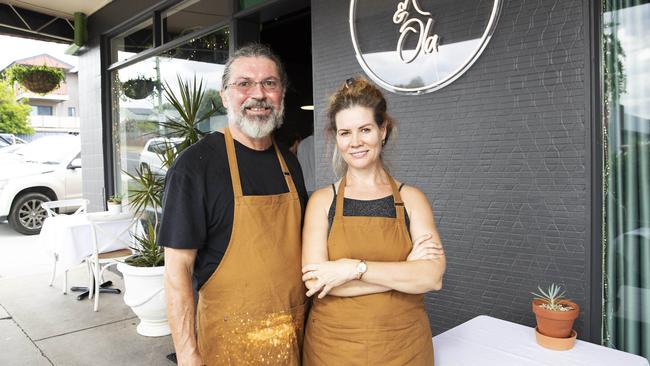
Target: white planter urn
{"points": [[144, 292], [114, 208]]}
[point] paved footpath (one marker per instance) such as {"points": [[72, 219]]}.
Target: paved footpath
{"points": [[41, 326]]}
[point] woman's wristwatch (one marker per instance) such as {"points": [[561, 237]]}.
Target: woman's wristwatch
{"points": [[362, 267]]}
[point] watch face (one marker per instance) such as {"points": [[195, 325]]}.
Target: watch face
{"points": [[362, 267]]}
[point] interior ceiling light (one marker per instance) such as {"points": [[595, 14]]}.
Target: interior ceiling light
{"points": [[307, 107]]}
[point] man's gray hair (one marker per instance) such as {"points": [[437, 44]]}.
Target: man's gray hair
{"points": [[254, 50]]}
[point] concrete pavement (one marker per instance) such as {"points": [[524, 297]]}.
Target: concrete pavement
{"points": [[41, 326]]}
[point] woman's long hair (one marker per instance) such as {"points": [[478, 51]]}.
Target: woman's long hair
{"points": [[352, 93]]}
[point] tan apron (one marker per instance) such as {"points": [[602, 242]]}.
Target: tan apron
{"points": [[251, 310], [389, 328]]}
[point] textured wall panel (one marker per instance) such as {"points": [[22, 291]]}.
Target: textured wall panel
{"points": [[502, 154]]}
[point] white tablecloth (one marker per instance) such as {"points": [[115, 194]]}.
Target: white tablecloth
{"points": [[489, 341], [70, 237]]}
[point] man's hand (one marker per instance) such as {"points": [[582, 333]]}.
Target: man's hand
{"points": [[191, 359], [425, 249], [181, 311]]}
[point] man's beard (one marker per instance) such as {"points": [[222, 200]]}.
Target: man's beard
{"points": [[257, 126]]}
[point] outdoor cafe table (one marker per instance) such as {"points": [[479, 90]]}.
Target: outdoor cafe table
{"points": [[488, 341], [70, 237]]}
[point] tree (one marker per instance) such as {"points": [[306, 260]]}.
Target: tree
{"points": [[14, 115]]}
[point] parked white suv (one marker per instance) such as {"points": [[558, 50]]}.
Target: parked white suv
{"points": [[152, 151], [46, 169]]}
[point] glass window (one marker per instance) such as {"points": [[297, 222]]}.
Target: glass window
{"points": [[626, 122], [140, 107], [72, 112], [132, 42], [191, 16], [42, 110], [245, 4]]}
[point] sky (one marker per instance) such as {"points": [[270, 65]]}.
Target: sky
{"points": [[14, 48]]}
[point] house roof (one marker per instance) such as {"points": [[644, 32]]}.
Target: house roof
{"points": [[44, 59]]}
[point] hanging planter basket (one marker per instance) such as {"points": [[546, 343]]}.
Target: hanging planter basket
{"points": [[138, 88], [37, 79]]}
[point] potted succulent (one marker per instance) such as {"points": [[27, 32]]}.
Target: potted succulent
{"points": [[144, 270], [138, 88], [114, 204], [555, 316], [38, 79]]}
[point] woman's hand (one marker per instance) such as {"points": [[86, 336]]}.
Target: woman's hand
{"points": [[325, 276], [424, 248]]}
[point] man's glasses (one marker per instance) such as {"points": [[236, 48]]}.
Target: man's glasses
{"points": [[245, 85]]}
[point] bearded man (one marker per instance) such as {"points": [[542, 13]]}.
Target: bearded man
{"points": [[231, 229]]}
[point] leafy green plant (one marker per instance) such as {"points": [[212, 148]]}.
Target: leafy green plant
{"points": [[116, 199], [38, 79], [146, 189], [552, 298], [147, 252], [138, 88], [187, 105], [14, 114], [147, 193]]}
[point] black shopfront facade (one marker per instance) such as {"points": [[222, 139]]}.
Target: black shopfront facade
{"points": [[505, 120]]}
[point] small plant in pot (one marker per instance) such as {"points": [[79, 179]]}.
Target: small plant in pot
{"points": [[144, 270], [38, 79], [114, 204], [555, 316], [138, 88]]}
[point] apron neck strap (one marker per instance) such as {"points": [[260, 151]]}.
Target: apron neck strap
{"points": [[232, 163], [285, 169], [340, 195], [234, 167], [397, 197]]}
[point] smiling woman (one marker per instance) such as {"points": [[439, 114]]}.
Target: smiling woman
{"points": [[371, 239]]}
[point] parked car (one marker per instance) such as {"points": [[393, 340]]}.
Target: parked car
{"points": [[46, 169], [8, 139], [153, 150]]}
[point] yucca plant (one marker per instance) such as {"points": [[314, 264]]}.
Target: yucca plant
{"points": [[551, 298], [147, 252], [146, 197], [187, 107]]}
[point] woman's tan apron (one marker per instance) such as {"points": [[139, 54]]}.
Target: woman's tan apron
{"points": [[251, 310], [389, 328]]}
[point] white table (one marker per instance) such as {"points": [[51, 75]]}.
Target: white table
{"points": [[489, 341], [70, 237]]}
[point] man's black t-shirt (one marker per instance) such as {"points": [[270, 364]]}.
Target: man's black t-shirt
{"points": [[198, 204]]}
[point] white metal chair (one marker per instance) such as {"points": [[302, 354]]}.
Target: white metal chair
{"points": [[54, 208], [109, 247]]}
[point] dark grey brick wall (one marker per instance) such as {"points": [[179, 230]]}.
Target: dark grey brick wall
{"points": [[502, 153]]}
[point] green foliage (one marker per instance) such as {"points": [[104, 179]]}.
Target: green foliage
{"points": [[551, 297], [145, 196], [138, 88], [188, 108], [148, 253], [23, 74], [117, 199], [14, 115], [212, 101], [148, 191]]}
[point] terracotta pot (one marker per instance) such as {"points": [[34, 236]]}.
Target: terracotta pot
{"points": [[557, 324], [558, 344]]}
